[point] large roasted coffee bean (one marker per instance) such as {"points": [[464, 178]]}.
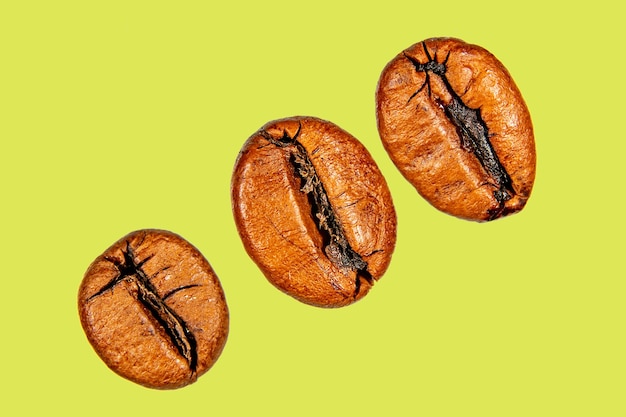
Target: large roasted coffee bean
{"points": [[313, 211], [456, 126], [154, 310]]}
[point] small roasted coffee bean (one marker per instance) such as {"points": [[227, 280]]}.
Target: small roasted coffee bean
{"points": [[313, 211], [456, 126], [154, 310]]}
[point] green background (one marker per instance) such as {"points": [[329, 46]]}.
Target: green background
{"points": [[121, 115]]}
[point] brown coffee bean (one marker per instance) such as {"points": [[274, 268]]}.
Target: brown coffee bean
{"points": [[313, 211], [456, 126], [154, 310]]}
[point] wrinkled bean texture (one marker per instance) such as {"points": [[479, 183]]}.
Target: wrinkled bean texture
{"points": [[154, 310], [313, 211], [455, 124]]}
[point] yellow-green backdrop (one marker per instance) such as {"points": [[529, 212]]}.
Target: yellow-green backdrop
{"points": [[121, 115]]}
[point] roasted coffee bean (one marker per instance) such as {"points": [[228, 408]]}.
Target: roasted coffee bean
{"points": [[456, 126], [154, 310], [313, 211]]}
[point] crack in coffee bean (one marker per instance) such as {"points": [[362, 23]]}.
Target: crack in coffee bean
{"points": [[471, 128], [130, 270], [335, 244]]}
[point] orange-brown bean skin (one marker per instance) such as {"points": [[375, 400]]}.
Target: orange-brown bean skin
{"points": [[124, 333], [425, 145], [274, 219]]}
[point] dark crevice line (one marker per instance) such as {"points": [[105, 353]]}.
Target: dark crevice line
{"points": [[335, 245], [471, 128], [175, 290], [173, 325]]}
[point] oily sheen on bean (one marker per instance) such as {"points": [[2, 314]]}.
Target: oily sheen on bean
{"points": [[455, 124], [154, 310], [313, 211]]}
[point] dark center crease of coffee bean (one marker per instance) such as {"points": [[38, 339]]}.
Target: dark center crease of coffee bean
{"points": [[470, 126], [173, 325], [336, 246]]}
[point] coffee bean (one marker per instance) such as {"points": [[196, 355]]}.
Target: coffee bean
{"points": [[154, 310], [313, 211], [456, 126]]}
